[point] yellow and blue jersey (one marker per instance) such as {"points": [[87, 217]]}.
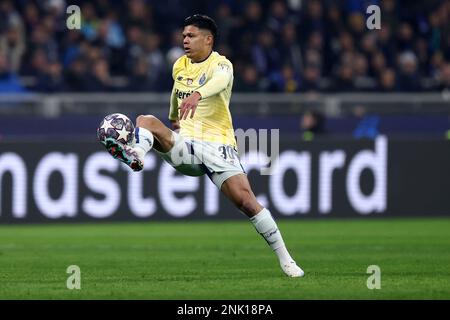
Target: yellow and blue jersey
{"points": [[213, 79]]}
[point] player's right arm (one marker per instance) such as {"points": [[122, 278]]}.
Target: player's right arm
{"points": [[175, 125], [173, 112]]}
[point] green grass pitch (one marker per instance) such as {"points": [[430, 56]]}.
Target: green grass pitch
{"points": [[226, 260]]}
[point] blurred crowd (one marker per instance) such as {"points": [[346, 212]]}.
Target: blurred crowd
{"points": [[275, 45]]}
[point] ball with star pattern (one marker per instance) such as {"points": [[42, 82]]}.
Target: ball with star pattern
{"points": [[117, 126]]}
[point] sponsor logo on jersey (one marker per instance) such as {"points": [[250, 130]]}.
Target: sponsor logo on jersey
{"points": [[180, 78], [182, 94]]}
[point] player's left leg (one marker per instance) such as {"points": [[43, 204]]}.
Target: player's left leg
{"points": [[151, 128], [237, 189]]}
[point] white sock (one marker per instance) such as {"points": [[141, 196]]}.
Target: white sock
{"points": [[144, 141], [267, 227]]}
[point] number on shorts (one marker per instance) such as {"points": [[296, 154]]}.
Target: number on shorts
{"points": [[227, 151]]}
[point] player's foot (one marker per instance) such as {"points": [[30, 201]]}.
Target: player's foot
{"points": [[124, 153], [291, 269]]}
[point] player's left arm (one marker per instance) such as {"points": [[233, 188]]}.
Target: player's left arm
{"points": [[220, 79]]}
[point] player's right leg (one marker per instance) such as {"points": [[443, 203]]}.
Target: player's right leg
{"points": [[150, 133], [149, 127], [170, 146]]}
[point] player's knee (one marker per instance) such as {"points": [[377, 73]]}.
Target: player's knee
{"points": [[147, 121]]}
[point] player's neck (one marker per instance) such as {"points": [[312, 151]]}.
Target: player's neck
{"points": [[202, 58]]}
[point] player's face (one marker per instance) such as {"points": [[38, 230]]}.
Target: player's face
{"points": [[197, 43]]}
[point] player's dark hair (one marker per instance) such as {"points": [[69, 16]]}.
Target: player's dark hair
{"points": [[202, 21]]}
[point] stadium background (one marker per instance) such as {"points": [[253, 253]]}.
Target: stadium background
{"points": [[311, 69], [363, 117]]}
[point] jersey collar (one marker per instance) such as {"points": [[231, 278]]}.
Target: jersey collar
{"points": [[203, 59]]}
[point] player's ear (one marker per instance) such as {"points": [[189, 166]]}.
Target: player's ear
{"points": [[209, 39]]}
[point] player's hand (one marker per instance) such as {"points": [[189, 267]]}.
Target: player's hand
{"points": [[175, 125], [189, 104]]}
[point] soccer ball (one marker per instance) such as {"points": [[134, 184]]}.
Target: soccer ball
{"points": [[116, 126]]}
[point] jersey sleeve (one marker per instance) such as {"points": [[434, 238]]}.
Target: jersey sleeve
{"points": [[221, 76], [178, 66]]}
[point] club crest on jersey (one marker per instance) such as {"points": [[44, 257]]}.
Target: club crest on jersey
{"points": [[189, 81], [202, 79]]}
